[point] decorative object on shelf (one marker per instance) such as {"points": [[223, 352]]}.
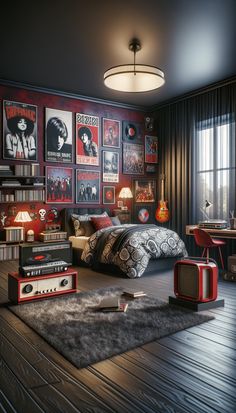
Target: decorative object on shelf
{"points": [[19, 131], [131, 132], [143, 214], [42, 214], [125, 194], [87, 139], [134, 77], [3, 218], [23, 217], [144, 190], [133, 159], [232, 220], [87, 186], [52, 215], [58, 136], [149, 123], [108, 195], [151, 149], [162, 214], [60, 185], [110, 166], [111, 133], [30, 236]]}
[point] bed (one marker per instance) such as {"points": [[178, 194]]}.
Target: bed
{"points": [[130, 250]]}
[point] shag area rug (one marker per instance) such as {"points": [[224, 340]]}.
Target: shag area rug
{"points": [[73, 326]]}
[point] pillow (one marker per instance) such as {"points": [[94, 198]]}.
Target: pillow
{"points": [[80, 226], [101, 222], [115, 221]]}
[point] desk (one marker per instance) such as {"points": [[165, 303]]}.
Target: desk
{"points": [[215, 233]]}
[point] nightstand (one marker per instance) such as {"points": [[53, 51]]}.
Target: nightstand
{"points": [[123, 215]]}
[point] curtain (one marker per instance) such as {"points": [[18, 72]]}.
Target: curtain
{"points": [[180, 124]]}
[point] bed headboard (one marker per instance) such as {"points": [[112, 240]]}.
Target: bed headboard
{"points": [[66, 221]]}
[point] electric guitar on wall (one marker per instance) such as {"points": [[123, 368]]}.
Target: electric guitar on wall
{"points": [[162, 213]]}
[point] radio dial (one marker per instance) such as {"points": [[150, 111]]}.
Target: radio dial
{"points": [[64, 282], [28, 288]]}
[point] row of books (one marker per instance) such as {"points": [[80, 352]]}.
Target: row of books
{"points": [[28, 170], [52, 236], [9, 252], [12, 182], [5, 170], [26, 195], [7, 197], [14, 233]]}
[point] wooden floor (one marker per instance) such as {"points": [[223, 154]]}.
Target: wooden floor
{"points": [[190, 371]]}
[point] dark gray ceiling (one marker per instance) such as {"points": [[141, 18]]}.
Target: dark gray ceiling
{"points": [[67, 45]]}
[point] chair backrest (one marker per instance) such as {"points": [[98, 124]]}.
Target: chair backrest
{"points": [[202, 238]]}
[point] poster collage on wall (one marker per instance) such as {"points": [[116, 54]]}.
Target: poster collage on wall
{"points": [[66, 144]]}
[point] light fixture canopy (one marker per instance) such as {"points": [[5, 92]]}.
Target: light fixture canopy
{"points": [[134, 77]]}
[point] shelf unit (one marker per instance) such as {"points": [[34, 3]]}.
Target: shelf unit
{"points": [[29, 185]]}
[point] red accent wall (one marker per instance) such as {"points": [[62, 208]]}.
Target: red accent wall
{"points": [[50, 100]]}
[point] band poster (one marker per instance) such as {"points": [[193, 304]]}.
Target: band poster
{"points": [[87, 139], [19, 131], [110, 166], [87, 186], [133, 159], [58, 136], [60, 185], [151, 149]]}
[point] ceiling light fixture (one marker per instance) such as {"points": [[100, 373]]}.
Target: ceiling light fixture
{"points": [[134, 77]]}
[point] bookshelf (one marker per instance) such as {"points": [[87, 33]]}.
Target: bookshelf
{"points": [[21, 183]]}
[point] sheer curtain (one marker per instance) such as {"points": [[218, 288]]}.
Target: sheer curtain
{"points": [[197, 154]]}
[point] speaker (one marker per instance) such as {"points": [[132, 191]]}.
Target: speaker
{"points": [[196, 279]]}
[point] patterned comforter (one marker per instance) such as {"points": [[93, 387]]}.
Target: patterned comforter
{"points": [[130, 247]]}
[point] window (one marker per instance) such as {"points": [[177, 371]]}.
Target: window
{"points": [[215, 168]]}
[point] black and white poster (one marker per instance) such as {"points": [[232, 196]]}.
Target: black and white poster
{"points": [[58, 136], [19, 131], [87, 186], [110, 166]]}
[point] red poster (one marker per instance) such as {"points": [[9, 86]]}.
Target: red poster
{"points": [[87, 139]]}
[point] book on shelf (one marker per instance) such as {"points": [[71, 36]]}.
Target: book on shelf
{"points": [[134, 293]]}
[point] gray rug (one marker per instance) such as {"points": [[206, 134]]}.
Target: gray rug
{"points": [[84, 336]]}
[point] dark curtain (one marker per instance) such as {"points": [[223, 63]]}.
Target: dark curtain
{"points": [[176, 124]]}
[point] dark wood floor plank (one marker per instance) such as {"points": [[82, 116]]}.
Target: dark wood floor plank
{"points": [[16, 393]]}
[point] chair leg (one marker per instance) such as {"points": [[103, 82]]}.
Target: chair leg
{"points": [[203, 253], [221, 258], [207, 254]]}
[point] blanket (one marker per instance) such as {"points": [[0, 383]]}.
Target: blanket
{"points": [[130, 247]]}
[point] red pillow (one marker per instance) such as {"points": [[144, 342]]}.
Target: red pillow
{"points": [[101, 222]]}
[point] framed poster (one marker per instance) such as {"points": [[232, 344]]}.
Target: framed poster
{"points": [[143, 214], [110, 166], [151, 149], [108, 195], [144, 190], [131, 132], [20, 131], [111, 133], [133, 159], [87, 139], [59, 185], [87, 187], [58, 136]]}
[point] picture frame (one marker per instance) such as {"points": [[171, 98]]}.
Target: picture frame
{"points": [[133, 159], [108, 195], [131, 132], [87, 186], [150, 168], [120, 204], [111, 133], [87, 139], [59, 185], [143, 214], [20, 131], [151, 149], [110, 166], [58, 136], [144, 190]]}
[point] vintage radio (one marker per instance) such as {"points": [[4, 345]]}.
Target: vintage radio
{"points": [[195, 279], [42, 269], [42, 253], [22, 289]]}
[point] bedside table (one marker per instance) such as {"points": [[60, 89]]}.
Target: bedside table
{"points": [[123, 215]]}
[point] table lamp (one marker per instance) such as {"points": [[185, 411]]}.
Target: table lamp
{"points": [[22, 217], [124, 194]]}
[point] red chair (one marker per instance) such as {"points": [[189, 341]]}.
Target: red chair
{"points": [[204, 240]]}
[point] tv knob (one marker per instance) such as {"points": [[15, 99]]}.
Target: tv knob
{"points": [[64, 282], [28, 288]]}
